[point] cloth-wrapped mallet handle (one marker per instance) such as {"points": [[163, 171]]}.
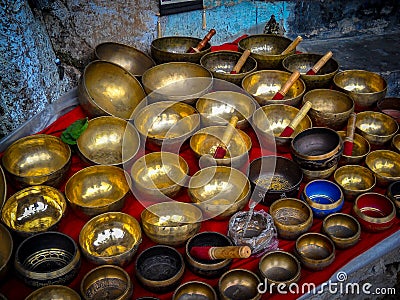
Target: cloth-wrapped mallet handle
{"points": [[240, 62], [230, 129], [292, 45], [226, 252], [296, 120], [286, 86], [349, 139], [320, 63], [203, 42]]}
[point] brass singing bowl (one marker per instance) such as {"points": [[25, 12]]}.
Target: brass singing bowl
{"points": [[177, 81], [329, 108], [292, 217], [361, 148], [3, 187], [393, 193], [107, 282], [108, 141], [6, 250], [131, 59], [315, 251], [221, 63], [304, 62], [219, 191], [309, 175], [273, 119], [239, 284], [110, 238], [171, 223], [364, 87], [38, 159], [396, 143], [97, 189], [52, 292], [106, 88], [354, 180], [159, 174], [194, 290], [33, 209], [264, 84], [217, 108], [344, 230], [266, 49], [385, 165]]}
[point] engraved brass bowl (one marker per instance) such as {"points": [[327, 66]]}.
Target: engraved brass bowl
{"points": [[38, 159], [107, 282], [292, 217], [217, 108], [273, 119], [110, 238], [106, 88], [329, 108], [396, 143], [385, 165], [239, 284], [393, 193], [171, 223], [131, 59], [97, 189], [3, 187], [219, 191], [221, 63], [108, 141], [344, 230], [315, 251], [51, 292], [195, 290], [304, 62], [6, 250], [354, 180], [361, 148], [364, 87], [390, 106], [264, 84], [266, 49], [34, 209], [377, 128]]}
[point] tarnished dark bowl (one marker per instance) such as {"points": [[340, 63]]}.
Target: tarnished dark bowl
{"points": [[6, 250], [264, 84], [195, 290], [385, 165], [343, 229], [51, 292], [390, 106], [393, 193], [221, 63], [309, 175], [239, 284], [395, 144], [266, 49], [361, 148], [304, 62], [3, 187], [106, 88]]}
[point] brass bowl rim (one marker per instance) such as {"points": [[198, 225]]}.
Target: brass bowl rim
{"points": [[295, 278], [267, 35], [194, 282], [309, 54], [277, 202], [374, 220], [334, 238], [316, 205], [313, 91], [359, 136], [384, 152], [357, 71], [40, 290], [149, 208], [178, 37], [3, 180], [6, 258], [251, 274], [355, 167], [319, 235], [386, 117]]}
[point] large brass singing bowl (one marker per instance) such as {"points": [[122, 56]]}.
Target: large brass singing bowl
{"points": [[344, 230], [97, 189], [361, 148], [195, 289], [110, 238], [51, 292], [38, 159], [329, 108], [171, 223], [264, 84], [364, 87], [266, 49], [108, 141], [6, 250], [217, 108], [3, 187], [239, 284], [106, 88], [177, 81], [385, 165]]}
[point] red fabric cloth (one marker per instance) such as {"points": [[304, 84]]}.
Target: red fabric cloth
{"points": [[232, 46]]}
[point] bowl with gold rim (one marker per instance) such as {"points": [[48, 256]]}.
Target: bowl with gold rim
{"points": [[51, 292], [361, 148], [343, 229], [239, 284], [195, 290], [385, 165]]}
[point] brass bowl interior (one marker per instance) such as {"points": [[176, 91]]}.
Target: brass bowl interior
{"points": [[305, 61], [239, 284], [51, 292], [314, 246], [194, 290], [384, 163], [222, 62], [376, 124], [361, 147], [360, 82], [279, 266], [354, 178], [290, 212], [341, 226]]}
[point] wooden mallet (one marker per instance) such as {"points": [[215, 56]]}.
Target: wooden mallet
{"points": [[222, 147], [285, 88], [296, 120], [349, 139], [241, 62], [226, 252], [320, 63], [292, 45], [202, 43]]}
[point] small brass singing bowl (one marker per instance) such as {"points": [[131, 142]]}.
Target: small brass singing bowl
{"points": [[110, 238], [221, 63], [217, 108], [304, 62], [239, 284], [393, 193], [385, 165], [361, 148], [106, 88], [38, 159], [266, 49], [329, 108], [51, 292], [273, 119], [34, 209], [396, 143], [97, 189], [309, 175], [390, 106], [159, 175], [364, 87], [6, 250], [171, 223], [377, 128], [343, 229], [195, 290], [3, 187], [108, 141], [264, 84], [315, 251], [219, 191], [107, 282], [292, 217]]}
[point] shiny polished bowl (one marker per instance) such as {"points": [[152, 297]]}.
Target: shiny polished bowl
{"points": [[364, 87], [108, 141], [361, 148], [97, 189], [309, 175], [239, 284], [194, 290], [385, 165], [106, 88], [395, 144], [3, 187], [393, 193], [343, 229], [6, 250], [219, 191], [171, 223], [390, 106], [110, 238], [264, 84], [34, 209], [38, 159], [329, 108], [52, 292]]}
